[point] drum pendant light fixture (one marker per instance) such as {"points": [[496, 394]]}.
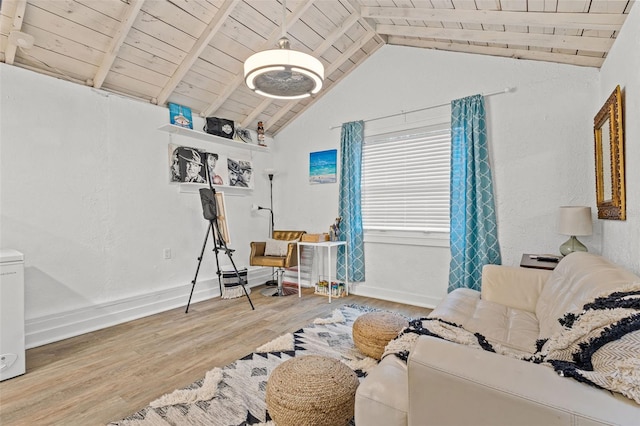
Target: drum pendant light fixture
{"points": [[283, 73]]}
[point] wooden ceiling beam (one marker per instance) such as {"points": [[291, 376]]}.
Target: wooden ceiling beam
{"points": [[367, 22], [579, 21], [346, 55], [18, 17], [202, 42], [116, 42], [356, 65], [595, 44], [336, 34], [268, 44], [324, 46], [536, 55]]}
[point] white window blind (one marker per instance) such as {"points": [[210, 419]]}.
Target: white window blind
{"points": [[405, 181]]}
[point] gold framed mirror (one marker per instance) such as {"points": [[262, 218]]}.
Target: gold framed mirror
{"points": [[609, 150]]}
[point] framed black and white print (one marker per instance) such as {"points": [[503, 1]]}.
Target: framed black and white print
{"points": [[240, 173], [217, 168], [186, 165]]}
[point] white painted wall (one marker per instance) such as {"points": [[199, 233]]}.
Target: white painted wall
{"points": [[85, 195], [540, 139], [84, 192], [621, 239]]}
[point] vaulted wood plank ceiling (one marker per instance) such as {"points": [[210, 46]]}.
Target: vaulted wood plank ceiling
{"points": [[191, 52]]}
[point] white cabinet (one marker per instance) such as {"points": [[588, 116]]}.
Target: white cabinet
{"points": [[12, 341]]}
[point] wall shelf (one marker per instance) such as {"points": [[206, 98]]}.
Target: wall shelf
{"points": [[177, 130], [194, 188]]}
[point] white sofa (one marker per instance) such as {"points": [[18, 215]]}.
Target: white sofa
{"points": [[445, 383]]}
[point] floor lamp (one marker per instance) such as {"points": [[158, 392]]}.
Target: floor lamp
{"points": [[270, 174], [256, 207]]}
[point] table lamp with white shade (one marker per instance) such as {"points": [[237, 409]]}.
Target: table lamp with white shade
{"points": [[574, 221]]}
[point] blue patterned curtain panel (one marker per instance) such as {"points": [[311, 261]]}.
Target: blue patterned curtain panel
{"points": [[350, 206], [474, 230]]}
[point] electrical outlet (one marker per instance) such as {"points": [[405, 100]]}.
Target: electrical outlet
{"points": [[167, 253]]}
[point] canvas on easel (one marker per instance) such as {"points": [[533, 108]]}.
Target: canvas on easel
{"points": [[214, 208]]}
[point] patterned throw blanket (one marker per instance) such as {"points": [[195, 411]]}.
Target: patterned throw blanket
{"points": [[599, 346]]}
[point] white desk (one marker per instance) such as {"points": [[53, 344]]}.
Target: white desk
{"points": [[328, 245]]}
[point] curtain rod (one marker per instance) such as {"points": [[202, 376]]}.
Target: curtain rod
{"points": [[498, 92]]}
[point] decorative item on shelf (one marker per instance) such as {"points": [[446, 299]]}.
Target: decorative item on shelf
{"points": [[334, 230], [574, 221], [180, 116], [260, 134], [219, 127], [283, 73], [242, 135]]}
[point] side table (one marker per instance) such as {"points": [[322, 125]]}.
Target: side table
{"points": [[534, 261], [328, 245]]}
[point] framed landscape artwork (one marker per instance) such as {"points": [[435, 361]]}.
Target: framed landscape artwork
{"points": [[323, 166]]}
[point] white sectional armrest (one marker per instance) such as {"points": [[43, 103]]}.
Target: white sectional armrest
{"points": [[381, 398], [452, 384], [513, 286]]}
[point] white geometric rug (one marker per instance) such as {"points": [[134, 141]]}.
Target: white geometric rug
{"points": [[234, 395]]}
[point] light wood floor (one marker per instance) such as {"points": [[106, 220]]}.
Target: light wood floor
{"points": [[108, 374]]}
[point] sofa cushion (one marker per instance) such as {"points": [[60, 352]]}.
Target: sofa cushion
{"points": [[513, 286], [578, 279], [512, 327]]}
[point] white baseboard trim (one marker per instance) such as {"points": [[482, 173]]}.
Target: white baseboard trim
{"points": [[395, 296], [52, 328]]}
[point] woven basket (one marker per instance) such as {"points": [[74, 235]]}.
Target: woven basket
{"points": [[374, 330], [232, 288], [311, 391]]}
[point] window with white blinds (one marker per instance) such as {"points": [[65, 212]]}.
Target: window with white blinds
{"points": [[405, 180]]}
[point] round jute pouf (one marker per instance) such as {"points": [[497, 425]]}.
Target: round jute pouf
{"points": [[311, 391], [374, 330]]}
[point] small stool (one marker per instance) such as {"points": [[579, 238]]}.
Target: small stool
{"points": [[311, 391], [374, 330]]}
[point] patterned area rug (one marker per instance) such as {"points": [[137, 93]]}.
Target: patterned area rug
{"points": [[235, 394]]}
